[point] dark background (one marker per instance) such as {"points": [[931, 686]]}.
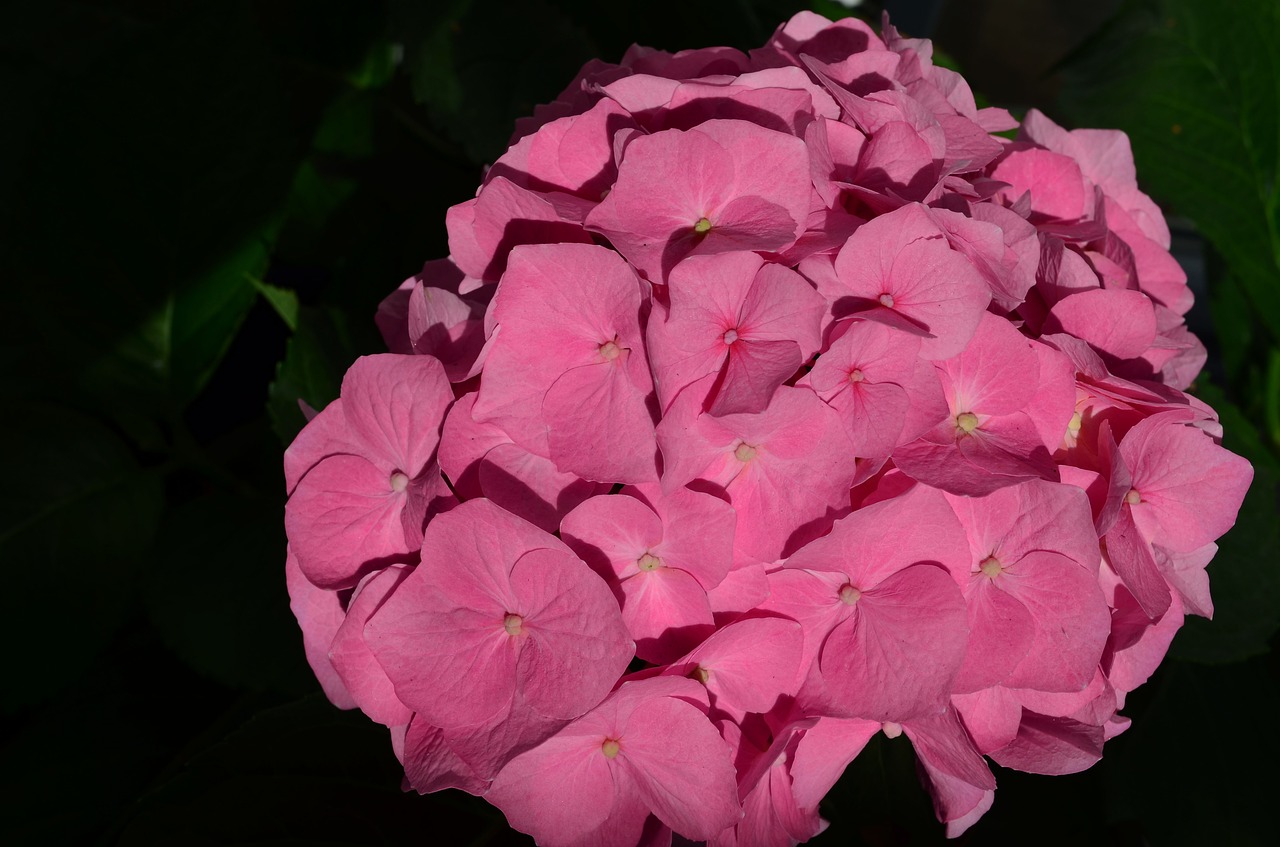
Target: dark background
{"points": [[202, 204]]}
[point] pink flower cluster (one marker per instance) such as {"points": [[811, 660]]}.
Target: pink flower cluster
{"points": [[765, 402]]}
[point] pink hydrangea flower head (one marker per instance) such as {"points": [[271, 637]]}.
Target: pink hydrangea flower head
{"points": [[782, 375]]}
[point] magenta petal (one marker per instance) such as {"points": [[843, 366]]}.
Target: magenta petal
{"points": [[682, 767], [599, 427], [343, 519], [558, 791], [577, 644], [898, 656]]}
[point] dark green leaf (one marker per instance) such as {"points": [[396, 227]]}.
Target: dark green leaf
{"points": [[215, 592], [1194, 86], [79, 515], [283, 300], [317, 357]]}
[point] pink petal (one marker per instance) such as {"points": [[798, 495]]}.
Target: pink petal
{"points": [[320, 615], [681, 767], [354, 661], [1001, 630], [667, 613], [1052, 746], [898, 656], [558, 791], [430, 765], [1114, 321], [1190, 488], [599, 426], [395, 406], [577, 644], [343, 519], [750, 663]]}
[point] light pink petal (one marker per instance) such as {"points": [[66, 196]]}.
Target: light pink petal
{"points": [[697, 531], [825, 750], [343, 519], [1001, 631], [577, 643], [1185, 572], [320, 615], [753, 371], [454, 667], [612, 533], [1190, 488], [463, 443], [1130, 555], [1072, 621], [750, 663], [530, 486], [905, 256], [997, 373], [544, 329], [1052, 746], [667, 613], [445, 326], [898, 656], [558, 791], [1114, 321], [354, 661], [483, 231], [431, 765], [326, 434], [943, 745], [396, 405], [681, 767], [1057, 187], [599, 426]]}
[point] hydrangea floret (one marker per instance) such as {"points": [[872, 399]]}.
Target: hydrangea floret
{"points": [[766, 402]]}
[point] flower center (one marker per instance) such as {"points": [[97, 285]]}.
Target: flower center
{"points": [[856, 375], [649, 562], [1133, 498], [610, 748], [966, 422], [701, 674], [886, 300], [513, 624], [399, 481], [991, 567], [610, 350], [730, 336], [891, 729], [849, 595], [744, 453], [1073, 425], [703, 225]]}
